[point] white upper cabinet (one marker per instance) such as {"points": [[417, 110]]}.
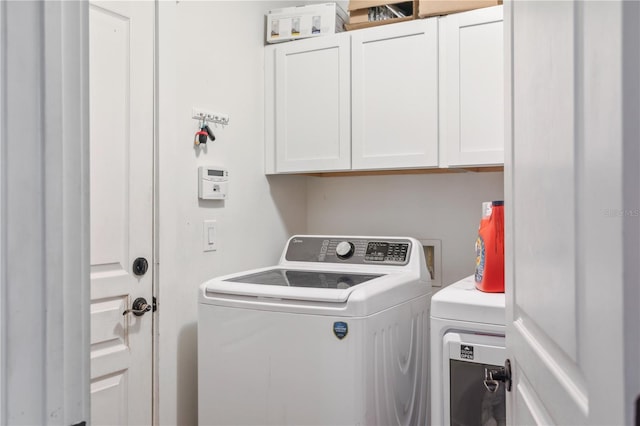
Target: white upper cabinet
{"points": [[472, 88], [395, 96], [418, 94], [311, 105]]}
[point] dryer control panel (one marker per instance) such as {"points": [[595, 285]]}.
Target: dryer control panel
{"points": [[348, 250]]}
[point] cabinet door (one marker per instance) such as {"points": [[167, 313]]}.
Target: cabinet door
{"points": [[312, 105], [395, 96], [472, 87]]}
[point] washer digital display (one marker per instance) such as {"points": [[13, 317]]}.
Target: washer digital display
{"points": [[381, 251], [377, 251]]}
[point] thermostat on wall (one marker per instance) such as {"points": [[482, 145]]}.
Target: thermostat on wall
{"points": [[212, 183]]}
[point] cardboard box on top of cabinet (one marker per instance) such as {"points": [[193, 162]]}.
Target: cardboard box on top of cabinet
{"points": [[444, 7], [366, 4], [359, 16], [291, 23]]}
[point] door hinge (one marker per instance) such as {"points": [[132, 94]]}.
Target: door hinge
{"points": [[154, 304]]}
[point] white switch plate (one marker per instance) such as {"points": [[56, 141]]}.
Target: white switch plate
{"points": [[209, 239]]}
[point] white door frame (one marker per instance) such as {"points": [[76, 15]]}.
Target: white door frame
{"points": [[155, 265], [44, 213]]}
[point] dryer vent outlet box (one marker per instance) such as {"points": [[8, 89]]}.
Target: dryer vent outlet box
{"points": [[433, 258]]}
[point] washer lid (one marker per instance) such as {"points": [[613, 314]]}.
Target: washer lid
{"points": [[308, 279], [463, 302], [291, 284]]}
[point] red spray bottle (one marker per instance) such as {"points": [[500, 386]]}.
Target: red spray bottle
{"points": [[490, 249]]}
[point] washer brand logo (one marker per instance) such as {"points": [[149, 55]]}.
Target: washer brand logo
{"points": [[295, 241], [466, 352], [340, 329]]}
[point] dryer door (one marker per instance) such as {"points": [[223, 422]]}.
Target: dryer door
{"points": [[467, 399]]}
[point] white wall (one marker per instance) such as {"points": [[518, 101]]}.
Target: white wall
{"points": [[211, 56], [446, 207]]}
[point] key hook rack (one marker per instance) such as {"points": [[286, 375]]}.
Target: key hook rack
{"points": [[211, 117]]}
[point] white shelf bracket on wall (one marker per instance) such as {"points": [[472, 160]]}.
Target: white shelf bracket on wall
{"points": [[210, 117]]}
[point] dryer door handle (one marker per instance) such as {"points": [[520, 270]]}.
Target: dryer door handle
{"points": [[494, 376]]}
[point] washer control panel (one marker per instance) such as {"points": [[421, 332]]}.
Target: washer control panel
{"points": [[346, 250], [384, 251]]}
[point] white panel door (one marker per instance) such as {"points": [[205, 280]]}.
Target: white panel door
{"points": [[395, 96], [312, 105], [121, 99], [472, 87], [571, 191]]}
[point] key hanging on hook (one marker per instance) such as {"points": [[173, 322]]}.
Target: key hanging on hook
{"points": [[201, 135], [205, 133], [196, 140], [209, 132], [204, 127]]}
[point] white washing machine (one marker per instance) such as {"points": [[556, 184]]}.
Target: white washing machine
{"points": [[336, 333], [467, 337]]}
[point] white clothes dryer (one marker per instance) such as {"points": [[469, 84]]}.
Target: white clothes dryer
{"points": [[467, 337], [336, 333]]}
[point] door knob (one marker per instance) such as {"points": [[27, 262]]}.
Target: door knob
{"points": [[140, 266], [493, 377], [139, 307]]}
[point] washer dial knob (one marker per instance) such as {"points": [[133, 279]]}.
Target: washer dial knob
{"points": [[344, 249]]}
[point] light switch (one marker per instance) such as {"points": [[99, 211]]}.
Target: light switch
{"points": [[209, 236]]}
